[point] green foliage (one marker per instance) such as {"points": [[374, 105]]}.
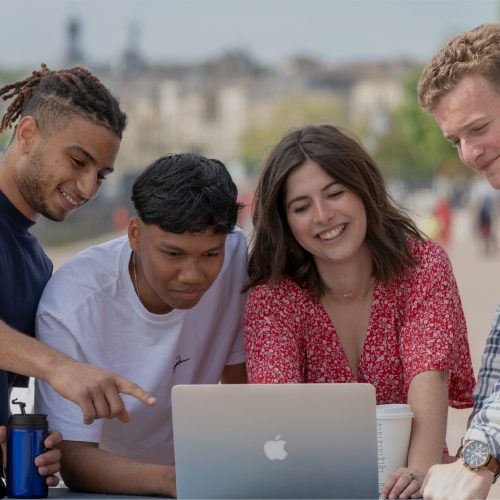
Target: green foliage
{"points": [[283, 115], [8, 76], [413, 147], [256, 142], [4, 139], [11, 75]]}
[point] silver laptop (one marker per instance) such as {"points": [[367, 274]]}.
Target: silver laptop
{"points": [[275, 441]]}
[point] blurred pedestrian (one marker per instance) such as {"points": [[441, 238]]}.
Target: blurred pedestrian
{"points": [[444, 218], [484, 201]]}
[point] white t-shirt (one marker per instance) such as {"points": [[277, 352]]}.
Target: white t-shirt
{"points": [[90, 311]]}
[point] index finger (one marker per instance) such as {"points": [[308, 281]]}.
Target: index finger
{"points": [[403, 487], [126, 387], [388, 485]]}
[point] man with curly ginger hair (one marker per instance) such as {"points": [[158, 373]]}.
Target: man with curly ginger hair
{"points": [[461, 88]]}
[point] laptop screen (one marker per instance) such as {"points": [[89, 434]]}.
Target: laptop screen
{"points": [[275, 441]]}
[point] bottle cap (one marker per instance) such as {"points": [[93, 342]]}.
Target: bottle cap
{"points": [[28, 421]]}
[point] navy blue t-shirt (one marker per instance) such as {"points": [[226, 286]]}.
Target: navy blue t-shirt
{"points": [[24, 272]]}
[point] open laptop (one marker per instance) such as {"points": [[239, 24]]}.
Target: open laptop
{"points": [[275, 441]]}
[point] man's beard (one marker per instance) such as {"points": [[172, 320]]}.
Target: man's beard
{"points": [[33, 183]]}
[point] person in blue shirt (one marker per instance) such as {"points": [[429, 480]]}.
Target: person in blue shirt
{"points": [[67, 132], [461, 88]]}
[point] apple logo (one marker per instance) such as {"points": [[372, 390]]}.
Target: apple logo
{"points": [[275, 449]]}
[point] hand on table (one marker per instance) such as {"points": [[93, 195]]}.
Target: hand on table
{"points": [[94, 390], [455, 481], [403, 483], [48, 463]]}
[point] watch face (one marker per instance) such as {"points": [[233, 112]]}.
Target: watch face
{"points": [[476, 454]]}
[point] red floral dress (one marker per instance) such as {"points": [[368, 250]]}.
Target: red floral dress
{"points": [[416, 325]]}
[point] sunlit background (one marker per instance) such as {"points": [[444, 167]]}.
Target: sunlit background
{"points": [[226, 78]]}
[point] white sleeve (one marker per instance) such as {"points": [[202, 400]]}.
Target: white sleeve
{"points": [[64, 416], [237, 354], [237, 279]]}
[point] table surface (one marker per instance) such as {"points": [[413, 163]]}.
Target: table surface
{"points": [[64, 493]]}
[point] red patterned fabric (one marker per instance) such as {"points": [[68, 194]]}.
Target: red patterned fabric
{"points": [[416, 325]]}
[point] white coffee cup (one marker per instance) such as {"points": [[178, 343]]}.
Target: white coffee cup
{"points": [[393, 438]]}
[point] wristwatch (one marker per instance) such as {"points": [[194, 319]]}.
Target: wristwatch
{"points": [[476, 455]]}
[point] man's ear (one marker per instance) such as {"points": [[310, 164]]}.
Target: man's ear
{"points": [[26, 131], [134, 233]]}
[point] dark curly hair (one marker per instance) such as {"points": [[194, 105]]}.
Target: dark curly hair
{"points": [[186, 192]]}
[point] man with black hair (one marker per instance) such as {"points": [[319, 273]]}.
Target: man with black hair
{"points": [[161, 306], [67, 131]]}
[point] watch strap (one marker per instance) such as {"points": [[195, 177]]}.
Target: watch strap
{"points": [[493, 464]]}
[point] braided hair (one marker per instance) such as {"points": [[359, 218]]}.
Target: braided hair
{"points": [[50, 96]]}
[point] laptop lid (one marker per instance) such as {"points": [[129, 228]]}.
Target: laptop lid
{"points": [[275, 441]]}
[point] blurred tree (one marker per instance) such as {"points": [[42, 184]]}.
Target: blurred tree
{"points": [[4, 139], [196, 148], [286, 113], [8, 76], [12, 75], [414, 148], [256, 142]]}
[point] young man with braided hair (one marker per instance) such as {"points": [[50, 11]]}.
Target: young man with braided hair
{"points": [[163, 307], [65, 141], [461, 88]]}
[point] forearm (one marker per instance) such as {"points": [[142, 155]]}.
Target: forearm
{"points": [[428, 398], [24, 355], [485, 424], [86, 468], [234, 374]]}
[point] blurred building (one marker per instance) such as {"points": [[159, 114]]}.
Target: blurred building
{"points": [[74, 53], [207, 107]]}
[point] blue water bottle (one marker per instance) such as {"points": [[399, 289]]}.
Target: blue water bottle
{"points": [[25, 436]]}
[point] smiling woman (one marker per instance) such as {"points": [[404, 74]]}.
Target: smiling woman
{"points": [[344, 288]]}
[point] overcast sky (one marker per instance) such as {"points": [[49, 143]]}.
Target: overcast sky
{"points": [[334, 31]]}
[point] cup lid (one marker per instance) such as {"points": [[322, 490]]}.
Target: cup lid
{"points": [[394, 411], [28, 420]]}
